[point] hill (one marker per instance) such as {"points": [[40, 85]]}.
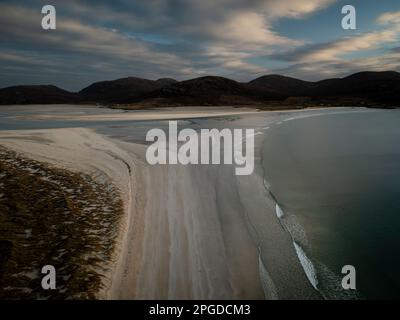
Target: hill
{"points": [[40, 94], [125, 90], [363, 88], [285, 86], [380, 87], [210, 90]]}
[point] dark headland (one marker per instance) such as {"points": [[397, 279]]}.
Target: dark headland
{"points": [[369, 89]]}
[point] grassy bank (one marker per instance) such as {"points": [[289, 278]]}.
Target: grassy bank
{"points": [[50, 216]]}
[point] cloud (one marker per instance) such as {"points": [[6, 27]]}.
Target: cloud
{"points": [[91, 49], [389, 17], [97, 40], [336, 49], [318, 70], [178, 38], [332, 58], [223, 21], [294, 8]]}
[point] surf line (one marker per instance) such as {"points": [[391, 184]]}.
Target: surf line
{"points": [[189, 146]]}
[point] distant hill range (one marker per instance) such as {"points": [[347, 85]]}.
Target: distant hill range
{"points": [[360, 89], [36, 95], [123, 90]]}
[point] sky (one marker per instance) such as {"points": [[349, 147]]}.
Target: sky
{"points": [[184, 39]]}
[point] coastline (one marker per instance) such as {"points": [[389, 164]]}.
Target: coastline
{"points": [[280, 261], [183, 234], [164, 113]]}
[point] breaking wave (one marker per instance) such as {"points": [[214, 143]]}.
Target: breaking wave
{"points": [[290, 223], [279, 212], [324, 280], [307, 265]]}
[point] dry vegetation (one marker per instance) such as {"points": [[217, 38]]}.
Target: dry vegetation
{"points": [[50, 216]]}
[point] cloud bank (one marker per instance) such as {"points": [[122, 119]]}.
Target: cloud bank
{"points": [[98, 40]]}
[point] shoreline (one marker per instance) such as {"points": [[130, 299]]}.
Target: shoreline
{"points": [[170, 113], [183, 234], [285, 274]]}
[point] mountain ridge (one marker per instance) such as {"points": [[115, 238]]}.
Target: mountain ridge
{"points": [[362, 88]]}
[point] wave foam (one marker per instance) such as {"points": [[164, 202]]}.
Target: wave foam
{"points": [[279, 211], [307, 265]]}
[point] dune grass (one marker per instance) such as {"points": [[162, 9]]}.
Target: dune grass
{"points": [[50, 216]]}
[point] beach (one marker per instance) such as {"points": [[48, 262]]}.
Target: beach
{"points": [[187, 232]]}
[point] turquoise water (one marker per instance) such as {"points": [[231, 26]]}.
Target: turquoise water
{"points": [[339, 174]]}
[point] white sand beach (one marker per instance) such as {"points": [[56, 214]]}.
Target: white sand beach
{"points": [[189, 232]]}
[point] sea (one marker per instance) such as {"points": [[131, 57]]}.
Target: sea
{"points": [[338, 174]]}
